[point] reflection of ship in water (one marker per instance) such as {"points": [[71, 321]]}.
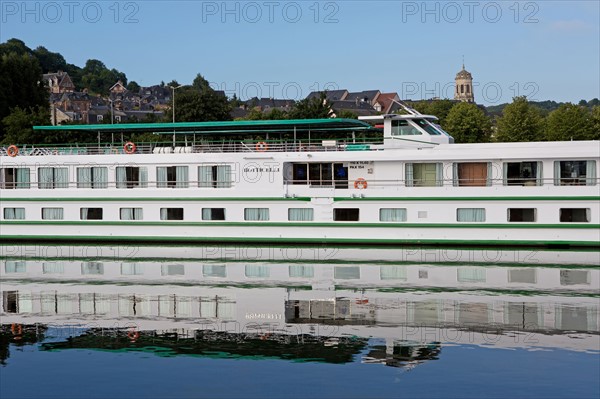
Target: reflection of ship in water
{"points": [[393, 314]]}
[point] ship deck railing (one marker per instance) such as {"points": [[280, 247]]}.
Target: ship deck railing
{"points": [[247, 146]]}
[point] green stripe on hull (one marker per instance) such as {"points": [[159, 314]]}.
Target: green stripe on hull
{"points": [[337, 241]]}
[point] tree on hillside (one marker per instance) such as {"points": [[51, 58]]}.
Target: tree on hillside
{"points": [[133, 86], [311, 108], [596, 122], [17, 125], [200, 83], [520, 121], [468, 124], [14, 46], [22, 85], [570, 122], [49, 61], [98, 78], [192, 105]]}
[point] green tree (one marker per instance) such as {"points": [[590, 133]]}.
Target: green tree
{"points": [[49, 61], [192, 105], [596, 122], [311, 108], [18, 125], [22, 85], [200, 83], [520, 121], [347, 114], [133, 86], [570, 122], [468, 124], [98, 78]]}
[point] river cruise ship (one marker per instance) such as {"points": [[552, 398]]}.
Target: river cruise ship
{"points": [[384, 180]]}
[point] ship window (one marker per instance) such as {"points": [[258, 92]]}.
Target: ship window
{"points": [[574, 215], [132, 176], [301, 271], [53, 213], [53, 178], [470, 215], [472, 174], [401, 127], [91, 213], [261, 271], [216, 176], [213, 213], [12, 266], [214, 270], [346, 214], [423, 124], [94, 177], [522, 173], [320, 174], [575, 173], [14, 213], [299, 173], [172, 176], [88, 268], [171, 213], [131, 213], [521, 214], [14, 178], [261, 214], [423, 174], [392, 215], [300, 214]]}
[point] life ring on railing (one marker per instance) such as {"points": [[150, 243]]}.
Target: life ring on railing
{"points": [[129, 147], [12, 150], [133, 335], [360, 183], [17, 330], [262, 146]]}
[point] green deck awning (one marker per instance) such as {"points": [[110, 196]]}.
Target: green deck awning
{"points": [[228, 127]]}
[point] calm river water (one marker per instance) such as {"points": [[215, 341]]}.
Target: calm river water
{"points": [[255, 322]]}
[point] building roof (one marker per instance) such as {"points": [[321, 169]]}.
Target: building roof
{"points": [[331, 95], [464, 74], [366, 95]]}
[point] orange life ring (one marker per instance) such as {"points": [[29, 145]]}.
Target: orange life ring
{"points": [[12, 150], [262, 146], [129, 147], [360, 183], [133, 335], [16, 329]]}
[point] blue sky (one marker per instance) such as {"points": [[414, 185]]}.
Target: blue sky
{"points": [[548, 50]]}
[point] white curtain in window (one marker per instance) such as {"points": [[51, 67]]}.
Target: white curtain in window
{"points": [[455, 181], [261, 271], [45, 178], [126, 214], [61, 177], [143, 171], [132, 269], [224, 176], [505, 173], [12, 266], [590, 173], [22, 177], [53, 268], [557, 173], [182, 176], [84, 213], [256, 214], [52, 213], [164, 214], [301, 271], [14, 213], [84, 177], [392, 215], [208, 308], [206, 213], [161, 177], [100, 177], [392, 272], [490, 173], [409, 175], [471, 274], [300, 214], [470, 215], [214, 270], [205, 176], [121, 176], [439, 175]]}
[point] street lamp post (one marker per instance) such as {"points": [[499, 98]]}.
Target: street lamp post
{"points": [[173, 109]]}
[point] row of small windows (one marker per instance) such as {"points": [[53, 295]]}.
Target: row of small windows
{"points": [[216, 176], [306, 214], [317, 174]]}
